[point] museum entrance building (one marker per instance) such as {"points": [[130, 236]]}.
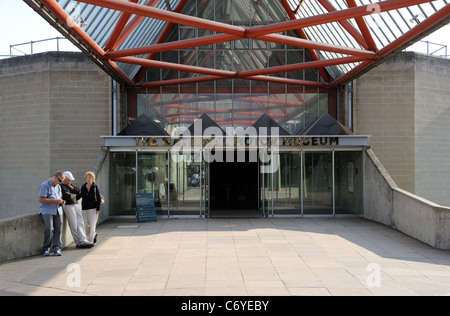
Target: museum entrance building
{"points": [[234, 107], [316, 172]]}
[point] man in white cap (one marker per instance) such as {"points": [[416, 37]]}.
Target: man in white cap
{"points": [[72, 211]]}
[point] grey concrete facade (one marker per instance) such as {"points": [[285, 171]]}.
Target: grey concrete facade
{"points": [[386, 203], [404, 105], [54, 108]]}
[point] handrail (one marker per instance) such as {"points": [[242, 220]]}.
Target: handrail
{"points": [[433, 49], [13, 49]]}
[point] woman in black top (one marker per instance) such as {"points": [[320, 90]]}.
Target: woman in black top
{"points": [[90, 204]]}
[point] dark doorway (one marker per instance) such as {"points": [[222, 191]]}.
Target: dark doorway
{"points": [[234, 188]]}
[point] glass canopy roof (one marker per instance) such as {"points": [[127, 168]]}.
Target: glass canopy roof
{"points": [[343, 38]]}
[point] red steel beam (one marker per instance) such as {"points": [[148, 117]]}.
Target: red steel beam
{"points": [[298, 42], [123, 20], [249, 74], [194, 109], [301, 66], [68, 22], [346, 25], [220, 38], [280, 80], [191, 102], [140, 75], [298, 7], [255, 90], [208, 40], [182, 44], [302, 34], [168, 16], [398, 44], [176, 67], [409, 36], [183, 81], [363, 28], [230, 30], [130, 27], [294, 82], [217, 78], [335, 16], [179, 18]]}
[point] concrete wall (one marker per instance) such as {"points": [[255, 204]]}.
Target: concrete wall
{"points": [[53, 109], [404, 104], [432, 128], [421, 219], [23, 236], [386, 203], [384, 109], [378, 186]]}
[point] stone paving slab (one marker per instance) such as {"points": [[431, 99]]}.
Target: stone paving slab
{"points": [[237, 257]]}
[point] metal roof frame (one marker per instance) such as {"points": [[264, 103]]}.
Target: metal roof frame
{"points": [[352, 35]]}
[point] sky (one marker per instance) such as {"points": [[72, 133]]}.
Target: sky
{"points": [[22, 24]]}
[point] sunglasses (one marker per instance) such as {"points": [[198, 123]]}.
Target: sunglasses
{"points": [[60, 181]]}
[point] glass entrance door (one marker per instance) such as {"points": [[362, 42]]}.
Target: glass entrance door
{"points": [[186, 178], [317, 183], [205, 188], [152, 177], [280, 184], [268, 169], [301, 182], [137, 172], [122, 183], [286, 184]]}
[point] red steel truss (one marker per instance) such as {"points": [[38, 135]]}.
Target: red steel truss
{"points": [[366, 56]]}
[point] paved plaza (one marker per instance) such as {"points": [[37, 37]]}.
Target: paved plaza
{"points": [[237, 256]]}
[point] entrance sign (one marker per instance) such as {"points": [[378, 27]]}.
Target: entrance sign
{"points": [[236, 142], [145, 207], [221, 148], [213, 138]]}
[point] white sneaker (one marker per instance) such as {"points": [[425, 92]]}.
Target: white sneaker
{"points": [[58, 253], [46, 253]]}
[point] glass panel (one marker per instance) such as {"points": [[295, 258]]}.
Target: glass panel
{"points": [[349, 182], [242, 11], [277, 102], [234, 102], [318, 183], [205, 188], [186, 177], [170, 105], [152, 178], [242, 111], [170, 57], [287, 184], [224, 110], [385, 27], [265, 188], [122, 184], [279, 191]]}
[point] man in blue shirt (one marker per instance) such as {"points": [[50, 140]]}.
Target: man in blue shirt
{"points": [[51, 202]]}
